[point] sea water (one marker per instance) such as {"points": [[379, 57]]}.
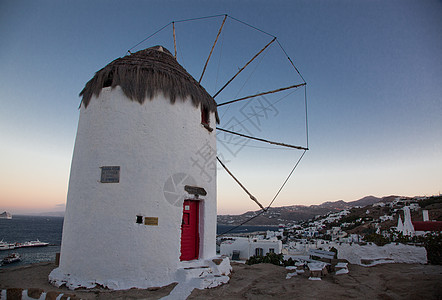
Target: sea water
{"points": [[221, 229], [22, 229], [49, 229]]}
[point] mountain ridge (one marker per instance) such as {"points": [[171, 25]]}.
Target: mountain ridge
{"points": [[296, 213]]}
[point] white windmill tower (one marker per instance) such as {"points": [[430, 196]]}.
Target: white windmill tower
{"points": [[136, 209], [141, 205]]}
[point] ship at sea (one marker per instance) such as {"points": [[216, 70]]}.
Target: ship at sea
{"points": [[36, 243], [6, 246], [10, 246], [42, 232], [11, 258], [5, 215]]}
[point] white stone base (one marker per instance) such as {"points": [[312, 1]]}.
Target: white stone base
{"points": [[198, 274]]}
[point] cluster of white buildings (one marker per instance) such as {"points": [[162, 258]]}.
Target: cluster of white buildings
{"points": [[241, 248], [299, 239]]}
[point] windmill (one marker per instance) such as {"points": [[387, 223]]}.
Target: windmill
{"points": [[141, 207]]}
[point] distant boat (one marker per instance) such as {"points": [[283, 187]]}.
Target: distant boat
{"points": [[36, 243], [9, 246], [11, 258], [5, 215], [6, 246]]}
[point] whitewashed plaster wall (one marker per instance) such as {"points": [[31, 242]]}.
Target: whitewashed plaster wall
{"points": [[102, 243], [399, 253], [246, 247]]}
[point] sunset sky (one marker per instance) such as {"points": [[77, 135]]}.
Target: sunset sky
{"points": [[374, 92]]}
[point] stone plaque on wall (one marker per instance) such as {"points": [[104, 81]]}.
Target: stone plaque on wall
{"points": [[153, 221], [110, 174]]}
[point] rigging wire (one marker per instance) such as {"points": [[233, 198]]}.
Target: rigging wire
{"points": [[256, 28], [265, 108], [259, 147], [183, 62], [262, 94], [240, 184], [179, 21], [149, 36], [306, 115], [291, 62], [282, 48], [287, 179], [224, 15], [273, 200], [262, 140], [213, 47], [200, 18], [247, 80], [253, 72], [253, 58]]}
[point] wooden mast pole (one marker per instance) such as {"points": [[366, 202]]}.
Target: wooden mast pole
{"points": [[262, 94], [240, 184], [210, 54], [174, 38], [262, 140], [256, 55]]}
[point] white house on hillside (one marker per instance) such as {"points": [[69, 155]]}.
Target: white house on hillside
{"points": [[240, 248]]}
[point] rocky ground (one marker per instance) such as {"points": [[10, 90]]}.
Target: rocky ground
{"points": [[265, 281]]}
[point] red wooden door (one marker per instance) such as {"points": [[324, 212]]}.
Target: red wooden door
{"points": [[189, 230]]}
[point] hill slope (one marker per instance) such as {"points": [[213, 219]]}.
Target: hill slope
{"points": [[296, 213]]}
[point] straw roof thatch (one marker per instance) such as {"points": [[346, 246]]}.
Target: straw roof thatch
{"points": [[144, 74]]}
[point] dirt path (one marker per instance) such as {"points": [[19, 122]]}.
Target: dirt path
{"points": [[389, 281], [36, 276], [265, 281]]}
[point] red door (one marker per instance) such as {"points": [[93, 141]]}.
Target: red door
{"points": [[189, 230]]}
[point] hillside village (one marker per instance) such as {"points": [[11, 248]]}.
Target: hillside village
{"points": [[347, 228], [289, 215], [381, 217]]}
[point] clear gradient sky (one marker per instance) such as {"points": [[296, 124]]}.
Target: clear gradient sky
{"points": [[374, 88]]}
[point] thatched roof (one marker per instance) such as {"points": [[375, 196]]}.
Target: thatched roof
{"points": [[144, 74]]}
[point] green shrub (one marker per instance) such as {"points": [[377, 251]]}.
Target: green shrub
{"points": [[378, 239], [433, 245], [269, 258], [255, 259], [401, 238], [289, 262]]}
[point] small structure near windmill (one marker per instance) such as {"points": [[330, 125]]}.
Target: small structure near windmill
{"points": [[242, 248], [139, 213]]}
